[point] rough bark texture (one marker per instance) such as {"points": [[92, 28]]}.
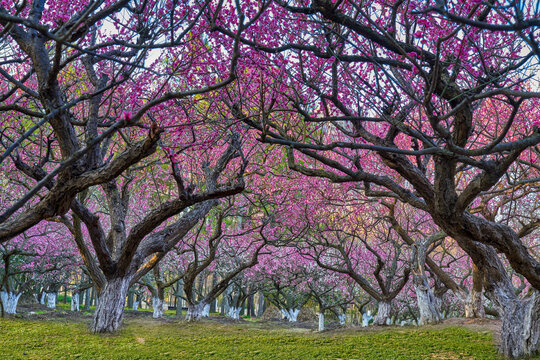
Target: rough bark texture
{"points": [[195, 311], [110, 308], [383, 313], [474, 306], [427, 303], [520, 332], [10, 301]]}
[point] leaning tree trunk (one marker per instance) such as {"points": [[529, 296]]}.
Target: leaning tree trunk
{"points": [[110, 307], [196, 311], [383, 313]]}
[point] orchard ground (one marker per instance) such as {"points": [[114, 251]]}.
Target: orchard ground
{"points": [[41, 333]]}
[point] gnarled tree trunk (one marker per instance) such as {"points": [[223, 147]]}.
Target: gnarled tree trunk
{"points": [[520, 331], [110, 307]]}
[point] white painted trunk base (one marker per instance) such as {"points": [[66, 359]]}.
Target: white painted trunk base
{"points": [[10, 301], [321, 321], [196, 312], [75, 302], [157, 305], [51, 300]]}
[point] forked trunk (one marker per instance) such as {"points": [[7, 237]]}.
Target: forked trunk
{"points": [[234, 312], [10, 301], [195, 311], [383, 313], [110, 307], [293, 315]]}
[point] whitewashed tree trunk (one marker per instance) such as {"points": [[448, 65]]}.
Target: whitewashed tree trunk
{"points": [[51, 300], [135, 305], [520, 331], [383, 313], [43, 297], [157, 305], [284, 314], [234, 312], [206, 310], [321, 321], [293, 315], [342, 318], [427, 303], [10, 301], [75, 301], [366, 318], [110, 308], [195, 312]]}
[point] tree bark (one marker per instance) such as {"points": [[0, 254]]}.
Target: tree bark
{"points": [[75, 301], [383, 313], [196, 311], [157, 305], [474, 306], [321, 321], [51, 300], [520, 331], [427, 302], [10, 301], [110, 308]]}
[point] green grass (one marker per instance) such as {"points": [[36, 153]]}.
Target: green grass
{"points": [[147, 339]]}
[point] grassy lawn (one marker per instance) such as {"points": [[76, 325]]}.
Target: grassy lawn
{"points": [[148, 339]]}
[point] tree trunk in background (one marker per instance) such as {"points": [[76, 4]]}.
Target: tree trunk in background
{"points": [[87, 299], [179, 292], [75, 301], [383, 313], [110, 307], [474, 306], [51, 300]]}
